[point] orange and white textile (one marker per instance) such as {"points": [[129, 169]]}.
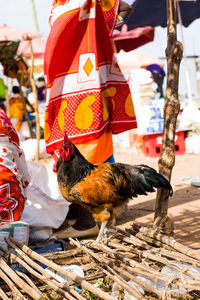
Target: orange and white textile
{"points": [[14, 176], [87, 94]]}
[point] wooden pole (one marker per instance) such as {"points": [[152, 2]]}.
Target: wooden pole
{"points": [[36, 101], [34, 16], [171, 109]]}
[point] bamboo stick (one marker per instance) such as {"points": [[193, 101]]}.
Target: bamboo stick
{"points": [[96, 276], [3, 295], [63, 254], [57, 268], [143, 269], [118, 260], [139, 282], [11, 285], [21, 283], [45, 277], [119, 280], [170, 241], [126, 260], [179, 257], [28, 280], [151, 272], [134, 240], [115, 276], [159, 259], [164, 248]]}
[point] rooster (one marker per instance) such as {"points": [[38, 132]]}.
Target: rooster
{"points": [[104, 188]]}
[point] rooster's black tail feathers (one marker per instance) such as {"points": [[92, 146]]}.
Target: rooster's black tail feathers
{"points": [[145, 179]]}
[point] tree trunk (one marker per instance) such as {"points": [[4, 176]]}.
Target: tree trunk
{"points": [[171, 109]]}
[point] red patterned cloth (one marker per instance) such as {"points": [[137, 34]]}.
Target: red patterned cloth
{"points": [[87, 94], [13, 172]]}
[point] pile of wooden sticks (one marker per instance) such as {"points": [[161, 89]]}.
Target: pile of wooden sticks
{"points": [[132, 260]]}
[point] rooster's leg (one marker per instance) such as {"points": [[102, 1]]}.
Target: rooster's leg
{"points": [[101, 231]]}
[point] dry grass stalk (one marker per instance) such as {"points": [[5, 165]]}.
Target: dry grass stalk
{"points": [[86, 285]]}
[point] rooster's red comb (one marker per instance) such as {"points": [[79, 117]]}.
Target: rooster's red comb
{"points": [[67, 148], [66, 140]]}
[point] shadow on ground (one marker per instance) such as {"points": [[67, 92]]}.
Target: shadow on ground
{"points": [[184, 210]]}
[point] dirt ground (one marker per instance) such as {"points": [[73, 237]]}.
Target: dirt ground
{"points": [[184, 205]]}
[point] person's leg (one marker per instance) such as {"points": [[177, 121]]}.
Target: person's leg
{"points": [[84, 218]]}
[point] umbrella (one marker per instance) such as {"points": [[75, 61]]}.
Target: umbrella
{"points": [[9, 33], [132, 39], [14, 33], [136, 59], [154, 13], [38, 45]]}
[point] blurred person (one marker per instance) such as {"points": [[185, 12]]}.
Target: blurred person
{"points": [[16, 109], [3, 89], [158, 75], [41, 89], [87, 94], [124, 12], [14, 177]]}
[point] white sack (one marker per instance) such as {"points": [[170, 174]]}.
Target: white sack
{"points": [[45, 206]]}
